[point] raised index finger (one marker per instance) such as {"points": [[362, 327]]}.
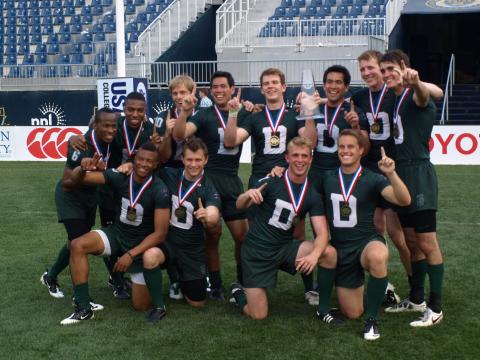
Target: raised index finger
{"points": [[382, 152], [194, 90], [352, 106], [200, 205], [239, 94]]}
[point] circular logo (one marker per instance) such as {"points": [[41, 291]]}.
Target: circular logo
{"points": [[142, 89], [50, 143], [452, 4]]}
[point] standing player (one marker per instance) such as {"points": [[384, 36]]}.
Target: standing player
{"points": [[221, 169], [270, 245], [195, 206], [271, 131], [76, 205], [351, 193], [413, 118], [142, 222]]}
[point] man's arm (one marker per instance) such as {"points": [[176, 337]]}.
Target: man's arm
{"points": [[251, 196], [309, 262], [435, 92], [309, 131], [397, 192], [84, 177], [209, 216], [161, 220], [234, 135], [182, 129]]}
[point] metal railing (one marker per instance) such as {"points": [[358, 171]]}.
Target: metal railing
{"points": [[159, 74], [229, 15], [303, 33], [393, 12], [167, 28], [448, 90]]}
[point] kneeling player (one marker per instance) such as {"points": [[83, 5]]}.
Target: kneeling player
{"points": [[351, 194], [142, 222], [195, 206], [269, 246]]}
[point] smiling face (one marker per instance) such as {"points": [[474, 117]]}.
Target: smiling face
{"points": [[272, 88], [299, 159], [371, 74], [392, 76], [134, 112], [145, 163], [194, 162], [178, 94], [349, 151], [221, 92], [335, 88], [106, 127]]}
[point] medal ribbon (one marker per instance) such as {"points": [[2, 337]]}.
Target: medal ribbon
{"points": [[335, 115], [376, 110], [134, 199], [220, 117], [130, 148], [397, 107], [346, 196], [97, 148], [296, 202], [181, 199], [274, 125]]}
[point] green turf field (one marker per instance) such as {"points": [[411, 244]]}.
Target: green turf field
{"points": [[29, 317]]}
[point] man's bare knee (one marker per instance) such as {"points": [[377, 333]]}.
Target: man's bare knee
{"points": [[152, 258]]}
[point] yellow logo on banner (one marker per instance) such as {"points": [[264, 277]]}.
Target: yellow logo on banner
{"points": [[3, 117]]}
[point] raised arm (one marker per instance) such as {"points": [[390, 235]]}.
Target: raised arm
{"points": [[397, 192], [251, 196], [234, 135]]}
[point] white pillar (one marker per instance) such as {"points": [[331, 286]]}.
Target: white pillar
{"points": [[120, 26]]}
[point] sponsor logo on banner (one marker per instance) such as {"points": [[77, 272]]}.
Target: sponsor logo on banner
{"points": [[3, 117], [455, 145], [452, 4], [6, 142], [52, 115], [50, 143]]}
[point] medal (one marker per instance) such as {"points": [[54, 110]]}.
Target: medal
{"points": [[376, 110], [130, 147], [275, 135], [131, 211], [131, 214], [332, 123], [396, 110], [181, 211], [97, 148], [375, 127], [345, 209], [297, 202], [275, 140]]}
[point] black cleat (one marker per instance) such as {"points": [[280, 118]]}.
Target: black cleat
{"points": [[52, 285], [217, 294], [121, 293], [331, 317], [371, 330], [156, 315], [77, 316]]}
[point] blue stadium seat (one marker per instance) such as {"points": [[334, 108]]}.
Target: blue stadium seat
{"points": [[130, 9], [108, 19], [342, 10], [36, 29], [11, 29], [64, 59], [52, 39], [76, 58], [23, 49], [65, 38], [53, 49], [64, 28], [69, 11], [86, 71], [45, 4], [131, 26], [142, 26], [36, 39], [97, 28], [75, 19], [293, 11], [41, 49], [356, 10], [361, 2], [139, 2], [47, 20], [142, 17], [287, 3], [325, 10], [378, 2], [11, 39], [11, 13], [110, 28], [311, 10], [299, 3], [127, 2], [152, 17], [107, 2], [347, 2], [79, 3], [374, 9], [11, 59], [41, 59], [46, 11], [151, 8], [86, 10], [23, 39], [58, 20], [86, 37], [330, 2], [34, 3], [57, 4], [22, 30], [97, 10], [28, 59], [47, 29], [87, 48], [316, 3], [87, 19], [67, 3], [21, 20], [76, 48], [133, 37], [99, 37], [76, 28]]}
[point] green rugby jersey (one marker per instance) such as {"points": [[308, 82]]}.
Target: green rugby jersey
{"points": [[121, 141], [358, 226], [210, 130], [415, 125], [175, 160], [156, 196], [186, 231], [325, 155], [272, 226], [266, 155]]}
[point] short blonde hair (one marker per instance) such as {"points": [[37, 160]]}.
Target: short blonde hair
{"points": [[300, 141], [180, 80]]}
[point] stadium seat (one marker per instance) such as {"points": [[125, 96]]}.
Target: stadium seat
{"points": [[346, 2], [279, 11], [97, 28], [28, 59], [36, 39], [11, 39], [76, 28], [76, 58], [76, 48], [46, 12], [11, 50], [151, 8], [356, 10], [22, 20], [65, 38], [79, 3], [87, 48], [64, 28], [107, 2], [87, 19], [131, 26], [330, 2], [23, 39], [293, 11], [342, 10], [311, 10], [108, 19], [361, 2], [373, 9], [325, 10], [47, 20], [299, 3], [69, 11], [110, 28], [58, 20], [47, 29], [86, 37], [99, 37], [11, 59], [64, 59], [287, 3], [67, 3], [139, 2], [99, 59], [142, 26], [133, 37], [34, 12], [152, 17], [130, 9], [53, 49], [41, 49], [45, 4], [97, 10], [75, 19], [86, 10], [52, 39], [11, 29], [22, 30], [141, 17]]}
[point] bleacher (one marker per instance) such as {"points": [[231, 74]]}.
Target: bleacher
{"points": [[63, 38], [307, 18]]}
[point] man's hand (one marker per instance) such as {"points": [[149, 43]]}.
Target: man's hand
{"points": [[255, 195], [386, 165], [306, 264], [123, 263], [189, 102], [352, 117], [201, 213], [93, 164], [78, 143], [125, 168], [234, 104], [277, 171]]}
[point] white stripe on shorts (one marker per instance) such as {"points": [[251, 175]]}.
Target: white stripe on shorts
{"points": [[107, 251]]}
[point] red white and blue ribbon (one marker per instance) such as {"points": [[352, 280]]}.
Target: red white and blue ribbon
{"points": [[130, 147], [334, 120], [190, 189], [97, 148], [220, 116], [297, 202], [396, 110], [346, 194], [274, 125], [376, 110], [134, 199]]}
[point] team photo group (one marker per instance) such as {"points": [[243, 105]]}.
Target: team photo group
{"points": [[358, 165]]}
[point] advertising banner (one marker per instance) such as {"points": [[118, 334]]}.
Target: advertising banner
{"points": [[111, 93]]}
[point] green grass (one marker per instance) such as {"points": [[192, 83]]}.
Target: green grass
{"points": [[29, 317]]}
